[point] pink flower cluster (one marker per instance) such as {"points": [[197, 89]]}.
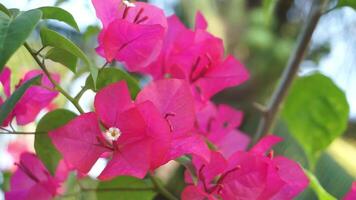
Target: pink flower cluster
{"points": [[171, 117]]}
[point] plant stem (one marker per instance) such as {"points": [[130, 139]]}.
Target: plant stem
{"points": [[289, 73], [161, 189], [56, 85]]}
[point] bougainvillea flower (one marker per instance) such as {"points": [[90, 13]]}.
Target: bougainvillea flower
{"points": [[132, 32], [36, 97], [197, 57], [351, 195], [175, 102], [136, 134], [218, 124], [32, 180], [251, 175]]}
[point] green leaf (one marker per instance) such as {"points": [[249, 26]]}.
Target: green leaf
{"points": [[126, 188], [54, 39], [112, 75], [60, 15], [318, 189], [5, 181], [64, 57], [14, 31], [10, 103], [351, 3], [4, 9], [43, 144], [316, 112]]}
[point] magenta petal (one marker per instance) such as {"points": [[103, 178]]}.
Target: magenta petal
{"points": [[200, 21], [78, 141], [190, 144], [131, 160], [174, 100], [150, 14], [145, 122], [293, 176], [265, 144], [31, 103], [211, 169], [231, 142], [157, 129], [107, 10], [5, 80], [195, 193], [228, 74], [229, 117], [111, 101], [135, 45], [351, 195], [29, 179]]}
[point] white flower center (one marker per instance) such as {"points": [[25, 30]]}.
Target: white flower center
{"points": [[112, 134], [128, 3]]}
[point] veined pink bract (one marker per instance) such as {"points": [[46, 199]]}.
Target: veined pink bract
{"points": [[132, 34]]}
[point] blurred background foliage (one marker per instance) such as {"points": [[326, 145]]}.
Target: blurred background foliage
{"points": [[262, 34]]}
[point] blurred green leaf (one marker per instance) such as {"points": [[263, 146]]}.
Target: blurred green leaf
{"points": [[351, 3], [54, 39], [268, 8], [10, 103], [4, 9], [59, 2], [64, 57], [59, 14], [126, 188], [43, 144], [5, 182], [112, 75], [14, 31], [316, 112], [318, 189]]}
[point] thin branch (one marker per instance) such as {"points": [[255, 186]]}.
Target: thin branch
{"points": [[268, 119], [56, 85], [161, 189], [80, 93], [20, 133]]}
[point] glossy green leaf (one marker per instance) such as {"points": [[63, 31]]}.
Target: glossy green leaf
{"points": [[64, 57], [112, 75], [316, 112], [318, 189], [60, 15], [54, 39], [126, 188], [351, 3], [43, 144], [10, 103], [14, 31]]}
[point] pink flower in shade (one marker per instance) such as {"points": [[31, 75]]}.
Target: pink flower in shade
{"points": [[35, 99], [249, 175], [132, 32], [351, 195], [175, 102], [32, 181], [218, 124], [197, 57], [136, 134]]}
